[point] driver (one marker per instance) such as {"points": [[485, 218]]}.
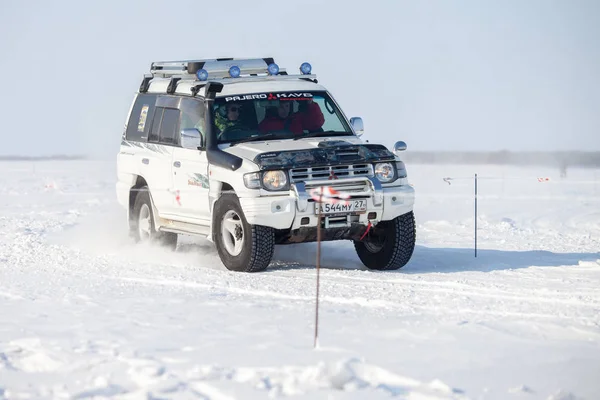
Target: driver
{"points": [[284, 119], [228, 117]]}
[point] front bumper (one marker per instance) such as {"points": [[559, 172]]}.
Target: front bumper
{"points": [[296, 210]]}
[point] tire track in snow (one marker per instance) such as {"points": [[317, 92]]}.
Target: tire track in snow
{"points": [[367, 290], [358, 301], [454, 288], [402, 288]]}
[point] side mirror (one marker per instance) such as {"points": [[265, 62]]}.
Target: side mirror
{"points": [[399, 146], [357, 125], [191, 139]]}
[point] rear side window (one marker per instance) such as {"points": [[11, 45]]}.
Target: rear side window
{"points": [[153, 136], [142, 113], [168, 127]]}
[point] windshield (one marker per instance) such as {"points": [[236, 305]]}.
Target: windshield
{"points": [[277, 115]]}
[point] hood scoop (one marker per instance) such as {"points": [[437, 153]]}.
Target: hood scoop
{"points": [[343, 150], [349, 154]]}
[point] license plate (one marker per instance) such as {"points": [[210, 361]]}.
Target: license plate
{"points": [[344, 208]]}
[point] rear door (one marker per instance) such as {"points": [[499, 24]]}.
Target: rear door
{"points": [[162, 141]]}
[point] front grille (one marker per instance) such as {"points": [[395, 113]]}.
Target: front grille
{"points": [[340, 171]]}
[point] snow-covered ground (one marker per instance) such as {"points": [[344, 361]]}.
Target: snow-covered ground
{"points": [[86, 314]]}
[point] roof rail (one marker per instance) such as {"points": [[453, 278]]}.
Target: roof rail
{"points": [[242, 79], [217, 68]]}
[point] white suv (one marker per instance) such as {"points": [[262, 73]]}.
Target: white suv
{"points": [[231, 149]]}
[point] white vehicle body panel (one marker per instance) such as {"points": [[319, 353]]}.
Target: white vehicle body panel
{"points": [[158, 174], [151, 162], [191, 183]]}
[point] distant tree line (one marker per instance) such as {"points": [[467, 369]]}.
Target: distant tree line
{"points": [[554, 159]]}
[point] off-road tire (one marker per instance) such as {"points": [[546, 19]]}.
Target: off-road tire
{"points": [[258, 241], [396, 240], [163, 239]]}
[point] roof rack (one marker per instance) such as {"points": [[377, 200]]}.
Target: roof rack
{"points": [[216, 68], [249, 69]]}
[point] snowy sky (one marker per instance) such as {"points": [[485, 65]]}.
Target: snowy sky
{"points": [[461, 75]]}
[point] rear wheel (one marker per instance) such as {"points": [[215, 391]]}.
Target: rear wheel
{"points": [[241, 246], [141, 223], [390, 245]]}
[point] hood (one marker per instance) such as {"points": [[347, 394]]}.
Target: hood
{"points": [[251, 149], [274, 154]]}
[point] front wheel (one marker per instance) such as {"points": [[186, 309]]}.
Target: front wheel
{"points": [[241, 246], [389, 245]]}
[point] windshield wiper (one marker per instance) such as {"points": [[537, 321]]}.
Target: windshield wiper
{"points": [[257, 138], [326, 133]]}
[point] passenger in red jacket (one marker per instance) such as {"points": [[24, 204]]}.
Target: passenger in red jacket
{"points": [[310, 119]]}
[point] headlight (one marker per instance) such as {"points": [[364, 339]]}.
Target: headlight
{"points": [[252, 180], [274, 180], [385, 172]]}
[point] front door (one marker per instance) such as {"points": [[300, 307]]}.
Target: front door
{"points": [[191, 183], [190, 167]]}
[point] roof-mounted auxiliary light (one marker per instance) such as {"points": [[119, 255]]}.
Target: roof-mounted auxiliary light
{"points": [[234, 71], [273, 69], [202, 74], [305, 68], [224, 69]]}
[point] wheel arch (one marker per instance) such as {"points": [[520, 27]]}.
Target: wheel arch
{"points": [[217, 188], [140, 182]]}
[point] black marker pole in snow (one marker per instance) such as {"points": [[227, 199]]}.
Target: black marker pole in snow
{"points": [[316, 344], [475, 215]]}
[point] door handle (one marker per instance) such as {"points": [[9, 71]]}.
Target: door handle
{"points": [[145, 161], [177, 164]]}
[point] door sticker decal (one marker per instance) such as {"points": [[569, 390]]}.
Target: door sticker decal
{"points": [[198, 180]]}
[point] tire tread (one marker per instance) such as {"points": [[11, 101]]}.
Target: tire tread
{"points": [[404, 233], [263, 246], [405, 242]]}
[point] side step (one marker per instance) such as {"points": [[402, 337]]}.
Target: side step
{"points": [[168, 225]]}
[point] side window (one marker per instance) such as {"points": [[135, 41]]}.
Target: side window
{"points": [[168, 127], [153, 136], [192, 115], [142, 113], [192, 120]]}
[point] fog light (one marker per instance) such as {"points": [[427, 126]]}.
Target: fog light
{"points": [[372, 215], [304, 221]]}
